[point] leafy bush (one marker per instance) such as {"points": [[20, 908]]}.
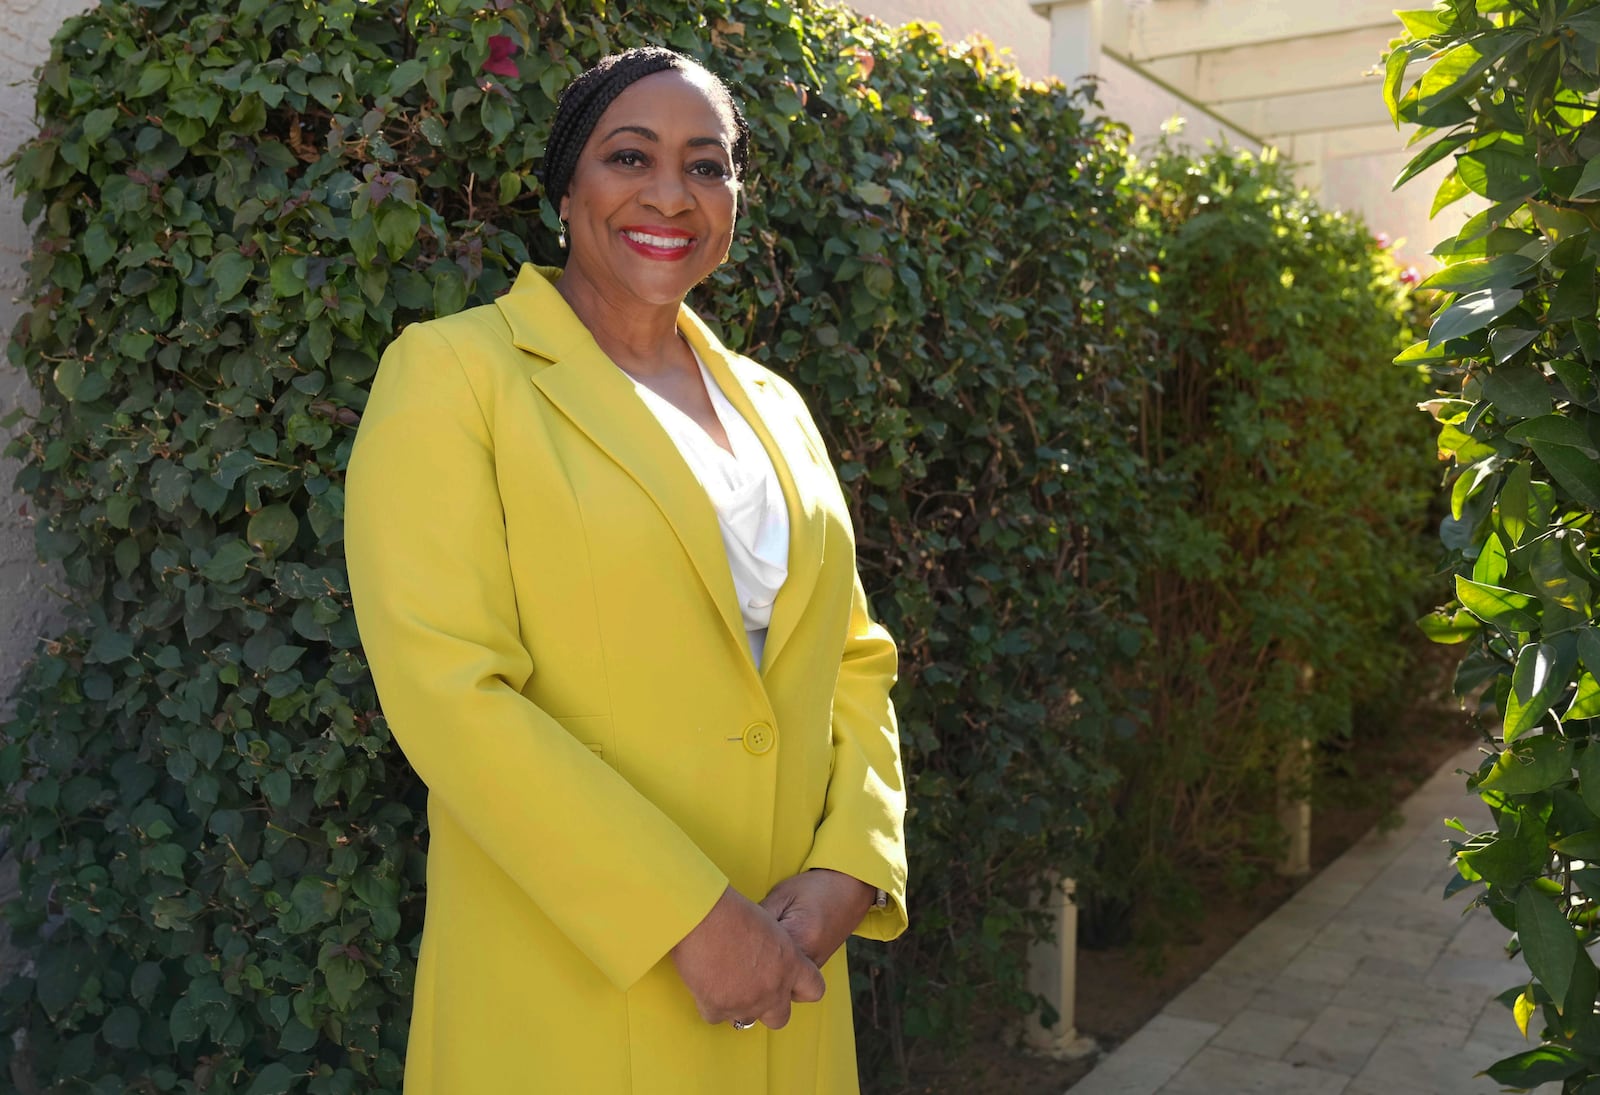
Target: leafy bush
{"points": [[238, 206], [1285, 548], [1509, 91]]}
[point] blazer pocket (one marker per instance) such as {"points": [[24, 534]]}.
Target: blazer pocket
{"points": [[593, 731]]}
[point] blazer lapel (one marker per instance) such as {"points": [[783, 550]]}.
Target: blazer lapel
{"points": [[599, 399], [767, 410]]}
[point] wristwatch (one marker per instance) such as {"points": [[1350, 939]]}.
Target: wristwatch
{"points": [[880, 899]]}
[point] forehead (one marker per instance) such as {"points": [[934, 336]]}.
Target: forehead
{"points": [[672, 101]]}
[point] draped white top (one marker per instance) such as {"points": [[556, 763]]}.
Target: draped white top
{"points": [[744, 489]]}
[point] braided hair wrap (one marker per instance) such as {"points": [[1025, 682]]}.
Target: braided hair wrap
{"points": [[587, 97]]}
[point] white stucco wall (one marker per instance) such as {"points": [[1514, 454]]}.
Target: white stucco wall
{"points": [[1010, 24], [1365, 183], [27, 606]]}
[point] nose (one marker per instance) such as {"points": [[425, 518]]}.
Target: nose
{"points": [[667, 191]]}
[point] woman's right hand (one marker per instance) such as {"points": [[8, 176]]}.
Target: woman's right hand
{"points": [[740, 964]]}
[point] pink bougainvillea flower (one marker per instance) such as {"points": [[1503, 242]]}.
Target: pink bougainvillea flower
{"points": [[1410, 276], [1382, 240], [501, 50]]}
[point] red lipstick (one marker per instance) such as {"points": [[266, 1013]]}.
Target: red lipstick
{"points": [[658, 243]]}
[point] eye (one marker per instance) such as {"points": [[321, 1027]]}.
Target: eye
{"points": [[709, 169], [628, 157]]}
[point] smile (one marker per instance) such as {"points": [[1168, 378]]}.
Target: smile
{"points": [[669, 243], [655, 245]]}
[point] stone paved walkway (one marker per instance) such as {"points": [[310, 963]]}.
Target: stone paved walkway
{"points": [[1364, 983]]}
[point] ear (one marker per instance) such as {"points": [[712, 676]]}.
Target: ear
{"points": [[561, 209]]}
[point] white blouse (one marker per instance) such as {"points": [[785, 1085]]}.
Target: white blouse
{"points": [[743, 488]]}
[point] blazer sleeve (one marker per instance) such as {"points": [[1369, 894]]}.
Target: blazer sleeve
{"points": [[862, 833], [430, 576]]}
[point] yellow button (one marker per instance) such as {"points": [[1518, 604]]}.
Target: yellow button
{"points": [[759, 738]]}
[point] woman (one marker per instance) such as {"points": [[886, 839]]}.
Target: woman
{"points": [[606, 583]]}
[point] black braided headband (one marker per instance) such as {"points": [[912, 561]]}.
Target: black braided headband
{"points": [[587, 97]]}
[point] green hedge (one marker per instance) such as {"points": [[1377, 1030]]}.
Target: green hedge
{"points": [[1286, 550], [222, 853]]}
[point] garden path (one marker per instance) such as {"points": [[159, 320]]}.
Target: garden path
{"points": [[1363, 983]]}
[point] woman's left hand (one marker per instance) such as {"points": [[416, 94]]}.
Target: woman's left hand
{"points": [[819, 909]]}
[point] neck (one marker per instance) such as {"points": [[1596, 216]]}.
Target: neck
{"points": [[642, 339]]}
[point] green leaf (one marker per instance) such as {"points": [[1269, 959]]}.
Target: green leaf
{"points": [[344, 977], [1575, 297], [1542, 673], [1461, 68], [1451, 190], [1584, 845], [406, 75], [1506, 342], [1589, 653], [229, 563], [1589, 181], [1559, 223], [1555, 429], [1545, 1065], [1535, 764], [1586, 24], [273, 529], [287, 273], [273, 1079], [1557, 578], [1449, 628], [1472, 312], [229, 271], [1500, 272], [397, 229], [1513, 509], [1394, 78], [1518, 392], [121, 1028], [1424, 23], [1500, 174], [1506, 609], [1549, 944], [1585, 704], [1573, 469], [1491, 565], [1424, 353]]}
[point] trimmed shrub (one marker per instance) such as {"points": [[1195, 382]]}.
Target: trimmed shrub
{"points": [[1286, 550], [238, 206]]}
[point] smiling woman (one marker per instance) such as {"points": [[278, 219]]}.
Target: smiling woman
{"points": [[606, 583]]}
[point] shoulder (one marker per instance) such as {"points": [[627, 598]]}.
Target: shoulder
{"points": [[467, 333]]}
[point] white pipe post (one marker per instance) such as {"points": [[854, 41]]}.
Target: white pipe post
{"points": [[1053, 975]]}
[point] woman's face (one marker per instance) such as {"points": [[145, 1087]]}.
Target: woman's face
{"points": [[651, 204]]}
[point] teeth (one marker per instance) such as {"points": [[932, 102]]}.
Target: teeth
{"points": [[658, 241]]}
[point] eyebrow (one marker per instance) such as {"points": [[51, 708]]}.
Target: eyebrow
{"points": [[651, 135]]}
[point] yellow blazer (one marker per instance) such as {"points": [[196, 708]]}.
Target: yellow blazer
{"points": [[547, 609]]}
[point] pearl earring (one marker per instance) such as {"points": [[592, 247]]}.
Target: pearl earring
{"points": [[561, 237]]}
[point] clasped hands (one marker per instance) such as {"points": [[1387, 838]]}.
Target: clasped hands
{"points": [[749, 961]]}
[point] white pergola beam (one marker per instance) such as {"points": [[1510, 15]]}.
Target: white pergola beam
{"points": [[1165, 28], [1310, 112], [1283, 68]]}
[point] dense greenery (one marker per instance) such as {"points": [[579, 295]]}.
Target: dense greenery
{"points": [[238, 206], [1509, 89], [1288, 488]]}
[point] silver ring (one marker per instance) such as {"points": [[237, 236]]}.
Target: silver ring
{"points": [[743, 1024]]}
